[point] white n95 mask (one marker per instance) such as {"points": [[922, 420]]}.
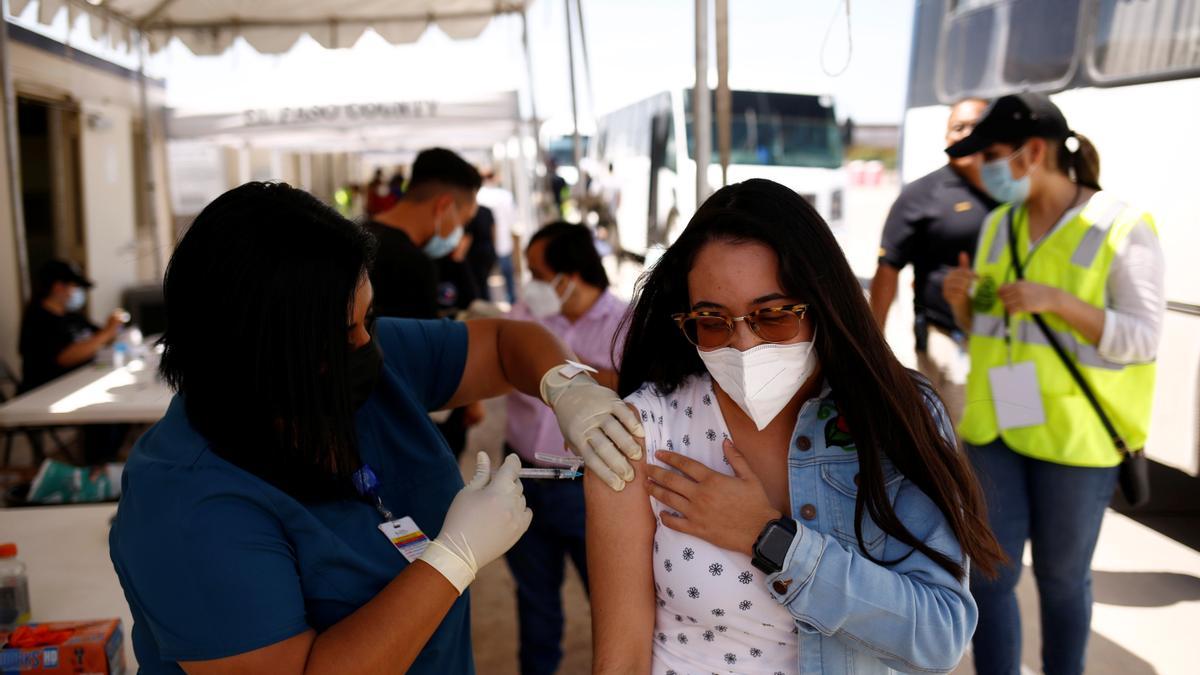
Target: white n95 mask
{"points": [[764, 379], [542, 299]]}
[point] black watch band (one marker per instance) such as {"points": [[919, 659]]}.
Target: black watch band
{"points": [[771, 547]]}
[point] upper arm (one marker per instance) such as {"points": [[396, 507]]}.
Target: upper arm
{"points": [[285, 656], [620, 539], [430, 354], [483, 376]]}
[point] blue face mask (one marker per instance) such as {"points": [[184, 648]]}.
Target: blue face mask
{"points": [[999, 182], [440, 247], [77, 300]]}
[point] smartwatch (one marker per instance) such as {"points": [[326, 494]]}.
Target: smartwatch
{"points": [[771, 547]]}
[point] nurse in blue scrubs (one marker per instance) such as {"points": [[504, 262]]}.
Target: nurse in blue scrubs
{"points": [[295, 510]]}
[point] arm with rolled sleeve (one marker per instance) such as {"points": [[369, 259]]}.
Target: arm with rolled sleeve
{"points": [[913, 615]]}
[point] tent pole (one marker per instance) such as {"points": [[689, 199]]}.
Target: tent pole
{"points": [[12, 158], [577, 141], [724, 97], [529, 216], [587, 63], [148, 157], [701, 104]]}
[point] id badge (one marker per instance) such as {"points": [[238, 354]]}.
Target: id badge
{"points": [[1016, 396], [406, 537]]}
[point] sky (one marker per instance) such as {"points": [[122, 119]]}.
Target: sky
{"points": [[637, 48]]}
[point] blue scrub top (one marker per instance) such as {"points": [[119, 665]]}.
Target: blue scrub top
{"points": [[215, 561]]}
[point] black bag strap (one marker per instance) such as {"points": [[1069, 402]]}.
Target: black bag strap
{"points": [[1117, 441]]}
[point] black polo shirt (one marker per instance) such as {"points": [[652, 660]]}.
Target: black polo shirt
{"points": [[404, 278], [934, 218], [44, 335]]}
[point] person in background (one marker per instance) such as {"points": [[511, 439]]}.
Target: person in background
{"points": [[933, 219], [425, 226], [396, 185], [481, 256], [379, 197], [1091, 267], [504, 212], [569, 296], [56, 338]]}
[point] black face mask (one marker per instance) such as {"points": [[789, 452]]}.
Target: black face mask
{"points": [[364, 365]]}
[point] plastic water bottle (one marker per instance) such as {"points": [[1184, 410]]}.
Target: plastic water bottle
{"points": [[120, 352], [14, 589]]}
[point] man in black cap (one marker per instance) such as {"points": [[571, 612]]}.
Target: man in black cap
{"points": [[56, 337], [934, 218]]}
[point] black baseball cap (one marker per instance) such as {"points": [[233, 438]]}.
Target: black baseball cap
{"points": [[61, 270], [1013, 119]]}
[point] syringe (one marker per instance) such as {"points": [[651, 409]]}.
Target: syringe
{"points": [[549, 473]]}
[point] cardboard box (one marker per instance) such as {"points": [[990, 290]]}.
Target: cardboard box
{"points": [[71, 648]]}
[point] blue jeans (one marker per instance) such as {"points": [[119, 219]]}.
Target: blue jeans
{"points": [[1059, 509], [510, 282], [538, 564]]}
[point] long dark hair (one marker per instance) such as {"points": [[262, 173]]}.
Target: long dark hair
{"points": [[258, 295], [879, 398]]}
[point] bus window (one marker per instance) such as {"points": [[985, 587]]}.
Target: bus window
{"points": [[994, 46], [966, 46], [1149, 38], [1041, 41], [776, 130]]}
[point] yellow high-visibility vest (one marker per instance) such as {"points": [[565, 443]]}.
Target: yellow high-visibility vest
{"points": [[1076, 257]]}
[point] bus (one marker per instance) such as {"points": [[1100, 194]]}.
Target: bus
{"points": [[1126, 75], [792, 139]]}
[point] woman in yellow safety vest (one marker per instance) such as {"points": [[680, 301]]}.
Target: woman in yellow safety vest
{"points": [[1091, 267]]}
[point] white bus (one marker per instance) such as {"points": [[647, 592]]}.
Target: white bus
{"points": [[1127, 75], [793, 139]]}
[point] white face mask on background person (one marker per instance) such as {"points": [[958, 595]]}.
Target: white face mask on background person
{"points": [[541, 297], [761, 380], [77, 300]]}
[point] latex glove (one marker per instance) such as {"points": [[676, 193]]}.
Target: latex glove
{"points": [[485, 519], [597, 425]]}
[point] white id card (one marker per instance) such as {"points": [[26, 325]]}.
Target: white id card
{"points": [[1017, 396], [406, 537]]}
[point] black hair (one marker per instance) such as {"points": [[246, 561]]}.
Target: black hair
{"points": [[258, 295], [570, 249], [438, 168], [882, 402]]}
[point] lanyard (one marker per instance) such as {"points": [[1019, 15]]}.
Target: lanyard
{"points": [[367, 485]]}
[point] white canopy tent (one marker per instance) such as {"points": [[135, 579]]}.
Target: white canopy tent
{"points": [[209, 27]]}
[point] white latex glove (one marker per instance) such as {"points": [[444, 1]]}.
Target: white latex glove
{"points": [[486, 518], [597, 424]]}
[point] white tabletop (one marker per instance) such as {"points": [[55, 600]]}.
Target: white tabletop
{"points": [[93, 394], [65, 551]]}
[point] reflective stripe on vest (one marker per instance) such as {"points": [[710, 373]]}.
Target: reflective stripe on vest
{"points": [[1075, 256]]}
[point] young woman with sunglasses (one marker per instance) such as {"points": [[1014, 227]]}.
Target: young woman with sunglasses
{"points": [[802, 507]]}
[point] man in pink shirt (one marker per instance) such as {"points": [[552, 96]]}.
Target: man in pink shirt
{"points": [[568, 295]]}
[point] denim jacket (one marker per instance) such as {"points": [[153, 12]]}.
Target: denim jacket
{"points": [[853, 615]]}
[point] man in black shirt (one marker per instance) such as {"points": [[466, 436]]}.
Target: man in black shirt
{"points": [[934, 219], [426, 224], [56, 339]]}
